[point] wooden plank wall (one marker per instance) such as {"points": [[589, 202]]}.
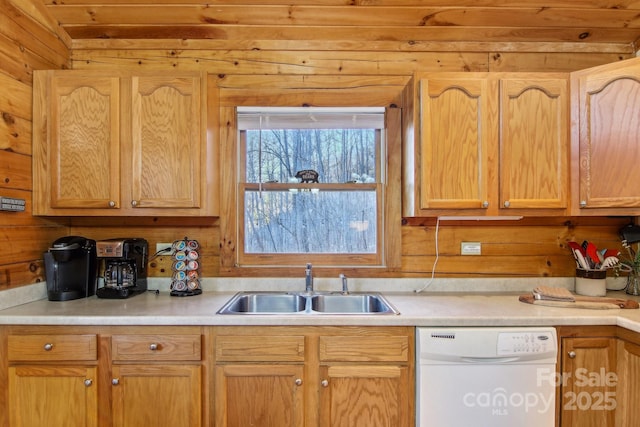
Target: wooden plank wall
{"points": [[30, 40], [23, 238]]}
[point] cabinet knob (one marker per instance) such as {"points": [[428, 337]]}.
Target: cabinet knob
{"points": [[115, 381], [298, 381], [324, 383], [572, 354], [112, 204], [507, 203], [153, 346], [134, 203], [583, 203], [485, 204], [48, 347], [88, 382]]}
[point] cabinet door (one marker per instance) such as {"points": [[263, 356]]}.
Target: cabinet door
{"points": [[588, 391], [167, 139], [628, 384], [53, 396], [365, 396], [534, 143], [84, 142], [457, 143], [609, 131], [157, 395], [259, 395]]}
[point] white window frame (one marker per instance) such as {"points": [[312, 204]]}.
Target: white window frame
{"points": [[308, 118]]}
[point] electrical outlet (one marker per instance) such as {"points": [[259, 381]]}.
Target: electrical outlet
{"points": [[470, 248], [164, 247]]}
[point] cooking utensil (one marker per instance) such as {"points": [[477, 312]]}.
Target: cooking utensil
{"points": [[592, 254], [576, 246], [599, 303], [609, 262], [582, 262]]}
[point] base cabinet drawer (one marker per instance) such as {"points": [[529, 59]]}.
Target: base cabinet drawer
{"points": [[156, 347], [52, 347]]}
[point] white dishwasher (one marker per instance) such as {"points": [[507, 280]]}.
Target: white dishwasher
{"points": [[486, 377]]}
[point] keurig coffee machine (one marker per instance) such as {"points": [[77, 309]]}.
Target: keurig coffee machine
{"points": [[71, 268], [123, 266]]}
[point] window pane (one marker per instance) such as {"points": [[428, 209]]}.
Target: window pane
{"points": [[310, 222], [338, 155]]}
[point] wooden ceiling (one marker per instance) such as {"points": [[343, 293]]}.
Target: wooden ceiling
{"points": [[608, 24]]}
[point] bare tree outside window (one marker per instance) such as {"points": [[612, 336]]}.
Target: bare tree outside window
{"points": [[339, 214]]}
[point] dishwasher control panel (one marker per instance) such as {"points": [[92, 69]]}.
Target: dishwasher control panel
{"points": [[524, 342]]}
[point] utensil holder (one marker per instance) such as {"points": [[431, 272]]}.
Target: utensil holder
{"points": [[592, 283]]}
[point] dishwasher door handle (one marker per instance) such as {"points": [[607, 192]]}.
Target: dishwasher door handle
{"points": [[481, 360]]}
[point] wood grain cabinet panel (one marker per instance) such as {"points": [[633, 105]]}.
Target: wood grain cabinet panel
{"points": [[364, 349], [488, 144], [588, 389], [314, 376], [45, 372], [84, 140], [157, 395], [365, 396], [605, 139], [156, 347], [628, 390], [53, 396], [113, 143], [52, 347], [455, 141], [89, 376], [266, 395], [534, 143]]}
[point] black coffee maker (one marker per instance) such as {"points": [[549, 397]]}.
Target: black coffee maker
{"points": [[123, 266], [71, 268]]}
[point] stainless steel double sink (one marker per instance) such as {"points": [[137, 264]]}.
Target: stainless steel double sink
{"points": [[307, 303]]}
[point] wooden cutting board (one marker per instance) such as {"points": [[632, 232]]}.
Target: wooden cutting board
{"points": [[596, 303]]}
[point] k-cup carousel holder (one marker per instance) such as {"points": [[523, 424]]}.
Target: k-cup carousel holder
{"points": [[185, 268]]}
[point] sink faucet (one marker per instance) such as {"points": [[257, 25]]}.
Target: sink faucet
{"points": [[308, 277], [345, 288]]}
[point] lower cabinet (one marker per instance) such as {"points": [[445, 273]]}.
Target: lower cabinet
{"points": [[629, 380], [156, 395], [314, 376], [103, 376], [589, 381], [52, 396], [52, 380], [599, 376], [259, 395]]}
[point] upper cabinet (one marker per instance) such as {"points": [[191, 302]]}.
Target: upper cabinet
{"points": [[118, 144], [606, 139], [487, 144]]}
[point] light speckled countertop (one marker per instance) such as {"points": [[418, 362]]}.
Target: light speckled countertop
{"points": [[416, 309]]}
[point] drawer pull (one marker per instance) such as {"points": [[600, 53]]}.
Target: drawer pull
{"points": [[324, 383], [48, 347], [298, 381], [88, 382], [154, 347], [115, 381], [572, 354]]}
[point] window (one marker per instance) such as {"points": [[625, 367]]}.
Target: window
{"points": [[311, 185]]}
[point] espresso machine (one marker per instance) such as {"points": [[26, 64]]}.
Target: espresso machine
{"points": [[71, 268], [123, 267]]}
